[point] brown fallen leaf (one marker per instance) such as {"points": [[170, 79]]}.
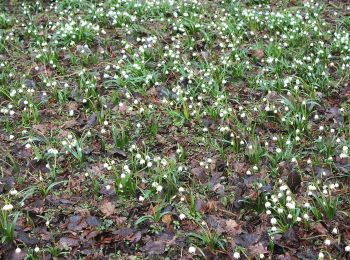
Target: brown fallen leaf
{"points": [[40, 129], [294, 181], [290, 236], [89, 234], [128, 234], [200, 174], [73, 105], [119, 220], [159, 246], [167, 219], [107, 208], [70, 124], [69, 241], [76, 223], [256, 250], [233, 228], [320, 229], [257, 53], [211, 206]]}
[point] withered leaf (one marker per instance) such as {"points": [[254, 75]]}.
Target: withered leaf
{"points": [[294, 181], [69, 241], [76, 223], [233, 228], [200, 174], [257, 53], [167, 219], [154, 247], [107, 208]]}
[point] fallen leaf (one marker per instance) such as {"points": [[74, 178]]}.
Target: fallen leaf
{"points": [[233, 228], [257, 53], [200, 174], [127, 234], [70, 124], [120, 220], [159, 246], [154, 247], [76, 223], [73, 106], [290, 236], [39, 129], [91, 122], [247, 239], [256, 250], [320, 229], [167, 219], [107, 208], [93, 221], [69, 241], [294, 181]]}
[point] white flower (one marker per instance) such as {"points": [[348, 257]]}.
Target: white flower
{"points": [[13, 192], [182, 216], [108, 187], [327, 242], [159, 188], [273, 221], [261, 256], [192, 250], [181, 189], [18, 250], [290, 205], [320, 255], [126, 168], [141, 198], [52, 151], [36, 249], [335, 231], [7, 207], [306, 216], [347, 248], [283, 187], [236, 255]]}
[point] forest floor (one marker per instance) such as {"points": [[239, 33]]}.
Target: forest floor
{"points": [[187, 129]]}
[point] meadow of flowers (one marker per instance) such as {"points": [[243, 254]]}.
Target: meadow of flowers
{"points": [[162, 129]]}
